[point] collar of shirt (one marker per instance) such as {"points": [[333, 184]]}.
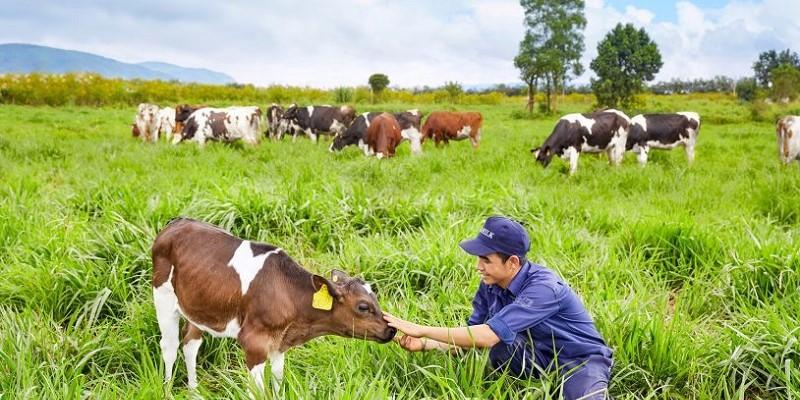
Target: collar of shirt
{"points": [[516, 284]]}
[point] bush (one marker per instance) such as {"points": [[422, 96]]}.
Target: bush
{"points": [[746, 89]]}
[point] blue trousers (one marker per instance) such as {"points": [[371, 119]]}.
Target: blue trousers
{"points": [[584, 380]]}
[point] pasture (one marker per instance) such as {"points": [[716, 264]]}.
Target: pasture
{"points": [[691, 273]]}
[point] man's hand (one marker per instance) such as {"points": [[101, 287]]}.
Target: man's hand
{"points": [[410, 329], [410, 343]]}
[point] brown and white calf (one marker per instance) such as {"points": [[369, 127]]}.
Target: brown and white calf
{"points": [[409, 122], [253, 292], [443, 126], [383, 136], [788, 131], [663, 131], [223, 124], [147, 121]]}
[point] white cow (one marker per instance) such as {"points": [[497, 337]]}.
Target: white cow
{"points": [[147, 121], [166, 124], [223, 124], [788, 131]]}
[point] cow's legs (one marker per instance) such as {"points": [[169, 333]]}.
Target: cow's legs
{"points": [[166, 303], [642, 155], [572, 154], [615, 155], [257, 346], [689, 147], [276, 361], [192, 340]]}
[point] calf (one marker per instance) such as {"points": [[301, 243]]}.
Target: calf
{"points": [[443, 126], [575, 133], [383, 136], [663, 131], [314, 120], [147, 121], [409, 122], [253, 292], [788, 131], [223, 124], [166, 124]]}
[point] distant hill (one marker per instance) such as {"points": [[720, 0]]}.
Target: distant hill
{"points": [[26, 58]]}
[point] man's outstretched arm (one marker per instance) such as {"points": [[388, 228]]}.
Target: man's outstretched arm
{"points": [[480, 336]]}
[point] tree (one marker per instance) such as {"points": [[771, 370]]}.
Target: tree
{"points": [[785, 80], [553, 44], [746, 89], [454, 90], [378, 82], [626, 58], [769, 60]]}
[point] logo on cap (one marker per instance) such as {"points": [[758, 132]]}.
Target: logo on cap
{"points": [[487, 233]]}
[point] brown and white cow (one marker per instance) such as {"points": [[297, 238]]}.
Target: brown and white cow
{"points": [[409, 130], [788, 131], [274, 118], [314, 120], [254, 292], [183, 112], [223, 124], [663, 131], [383, 136], [147, 121], [596, 132], [443, 126]]}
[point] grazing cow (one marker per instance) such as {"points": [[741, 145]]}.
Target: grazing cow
{"points": [[147, 121], [383, 136], [223, 124], [592, 133], [253, 292], [409, 122], [166, 124], [788, 130], [316, 119], [182, 113], [443, 126], [135, 130], [274, 118], [663, 131]]}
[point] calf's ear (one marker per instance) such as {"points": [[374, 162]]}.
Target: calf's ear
{"points": [[324, 293]]}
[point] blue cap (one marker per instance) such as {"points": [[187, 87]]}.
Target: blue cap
{"points": [[499, 235]]}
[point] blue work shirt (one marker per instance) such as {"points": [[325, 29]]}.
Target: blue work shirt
{"points": [[540, 306]]}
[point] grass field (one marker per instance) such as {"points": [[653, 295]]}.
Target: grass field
{"points": [[691, 273]]}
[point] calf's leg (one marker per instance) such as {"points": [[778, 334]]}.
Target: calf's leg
{"points": [[192, 340]]}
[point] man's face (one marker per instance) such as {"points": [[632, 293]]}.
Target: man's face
{"points": [[496, 272]]}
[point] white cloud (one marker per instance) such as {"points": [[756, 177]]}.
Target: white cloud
{"points": [[326, 44]]}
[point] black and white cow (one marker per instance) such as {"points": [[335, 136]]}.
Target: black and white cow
{"points": [[592, 133], [274, 117], [663, 131], [314, 120], [354, 135], [223, 124]]}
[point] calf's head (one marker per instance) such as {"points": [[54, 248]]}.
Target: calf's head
{"points": [[347, 138], [543, 155], [354, 310]]}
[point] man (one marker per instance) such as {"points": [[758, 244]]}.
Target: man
{"points": [[525, 313]]}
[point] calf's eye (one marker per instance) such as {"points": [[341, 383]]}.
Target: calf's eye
{"points": [[363, 307]]}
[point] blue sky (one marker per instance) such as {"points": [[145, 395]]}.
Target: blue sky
{"points": [[417, 42]]}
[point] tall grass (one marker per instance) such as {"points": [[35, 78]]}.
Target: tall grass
{"points": [[691, 273]]}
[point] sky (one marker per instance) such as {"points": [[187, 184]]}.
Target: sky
{"points": [[415, 42]]}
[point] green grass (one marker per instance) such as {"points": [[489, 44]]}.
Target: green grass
{"points": [[691, 273]]}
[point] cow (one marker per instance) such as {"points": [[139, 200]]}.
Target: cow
{"points": [[605, 130], [254, 292], [316, 119], [409, 122], [166, 124], [383, 136], [182, 113], [663, 131], [223, 124], [443, 126], [788, 131], [147, 121], [274, 118], [135, 130]]}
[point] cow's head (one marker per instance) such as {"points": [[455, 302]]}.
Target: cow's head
{"points": [[348, 137], [291, 112], [135, 130], [355, 311], [543, 154]]}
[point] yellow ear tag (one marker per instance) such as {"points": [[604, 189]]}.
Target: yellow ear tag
{"points": [[322, 300]]}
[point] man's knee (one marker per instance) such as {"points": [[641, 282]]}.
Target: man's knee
{"points": [[589, 382], [517, 358]]}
